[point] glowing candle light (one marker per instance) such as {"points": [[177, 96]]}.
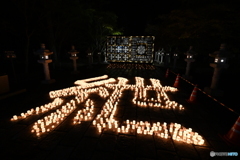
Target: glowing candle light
{"points": [[82, 92], [145, 132]]}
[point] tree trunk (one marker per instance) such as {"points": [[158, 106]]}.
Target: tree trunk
{"points": [[59, 49], [27, 55], [52, 42]]}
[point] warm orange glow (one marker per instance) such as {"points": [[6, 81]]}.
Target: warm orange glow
{"points": [[42, 109], [105, 119]]}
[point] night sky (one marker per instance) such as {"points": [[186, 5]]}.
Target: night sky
{"points": [[133, 16], [220, 25]]}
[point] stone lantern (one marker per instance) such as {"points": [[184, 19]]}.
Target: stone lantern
{"points": [[157, 54], [90, 58], [220, 63], [74, 57], [4, 79], [175, 57], [99, 57], [105, 56], [44, 59], [159, 57], [189, 59], [11, 55], [168, 58]]}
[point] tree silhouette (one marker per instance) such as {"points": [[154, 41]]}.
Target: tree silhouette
{"points": [[58, 23], [199, 24]]}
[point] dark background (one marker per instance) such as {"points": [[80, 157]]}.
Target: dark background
{"points": [[204, 24]]}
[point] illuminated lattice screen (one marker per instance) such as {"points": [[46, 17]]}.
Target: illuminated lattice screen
{"points": [[137, 49]]}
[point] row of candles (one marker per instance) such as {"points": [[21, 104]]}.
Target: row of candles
{"points": [[50, 122], [155, 83], [174, 131], [97, 81], [169, 89], [84, 114], [179, 134], [101, 91], [109, 108], [159, 105], [94, 84], [131, 66], [162, 100], [139, 82], [93, 79], [42, 109], [76, 90], [106, 118]]}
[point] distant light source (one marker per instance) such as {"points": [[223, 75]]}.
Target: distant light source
{"points": [[43, 53], [189, 56], [73, 52], [10, 54], [220, 60], [44, 57]]}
